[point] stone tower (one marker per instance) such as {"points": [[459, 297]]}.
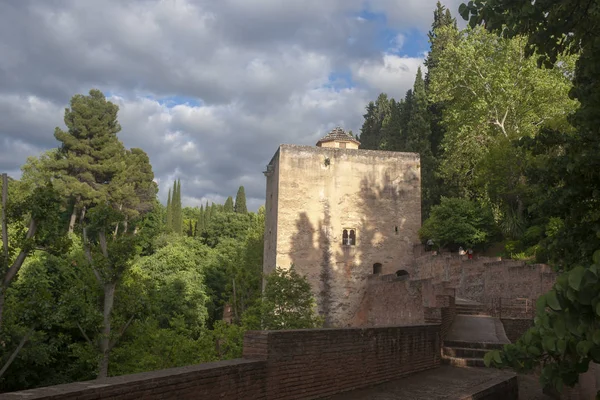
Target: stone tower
{"points": [[341, 214]]}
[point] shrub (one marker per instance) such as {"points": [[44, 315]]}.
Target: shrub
{"points": [[459, 222]]}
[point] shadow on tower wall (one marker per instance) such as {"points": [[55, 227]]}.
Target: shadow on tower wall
{"points": [[339, 274]]}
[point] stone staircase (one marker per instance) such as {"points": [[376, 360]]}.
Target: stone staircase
{"points": [[471, 309], [466, 354], [472, 334]]}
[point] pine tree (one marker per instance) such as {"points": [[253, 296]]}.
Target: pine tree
{"points": [[90, 154], [228, 206], [169, 221], [240, 201]]}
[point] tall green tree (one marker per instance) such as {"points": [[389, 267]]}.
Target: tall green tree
{"points": [[494, 96], [35, 222], [371, 134], [392, 138], [288, 302], [565, 336], [90, 153], [177, 209], [240, 201], [442, 18], [228, 206], [418, 140], [169, 221]]}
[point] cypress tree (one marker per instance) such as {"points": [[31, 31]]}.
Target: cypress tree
{"points": [[391, 131], [200, 222], [240, 201], [228, 206], [419, 141], [441, 18], [177, 212], [169, 221], [206, 215]]}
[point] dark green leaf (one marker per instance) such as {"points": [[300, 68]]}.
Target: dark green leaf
{"points": [[534, 351], [576, 276], [559, 328], [596, 257], [552, 300], [487, 358], [497, 357]]}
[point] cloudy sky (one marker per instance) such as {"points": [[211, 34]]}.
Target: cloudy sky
{"points": [[208, 88]]}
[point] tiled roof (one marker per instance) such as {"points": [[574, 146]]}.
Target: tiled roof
{"points": [[338, 133]]}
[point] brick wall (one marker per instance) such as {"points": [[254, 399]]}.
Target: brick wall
{"points": [[233, 379], [448, 314], [302, 364], [392, 300], [309, 364], [516, 327]]}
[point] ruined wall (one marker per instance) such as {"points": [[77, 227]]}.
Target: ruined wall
{"points": [[302, 364], [321, 192], [391, 300], [485, 278]]}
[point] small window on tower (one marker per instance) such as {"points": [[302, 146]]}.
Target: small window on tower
{"points": [[377, 267], [349, 237], [342, 145]]}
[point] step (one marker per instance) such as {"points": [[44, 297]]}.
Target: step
{"points": [[463, 352], [479, 313], [463, 362], [473, 345], [470, 307]]}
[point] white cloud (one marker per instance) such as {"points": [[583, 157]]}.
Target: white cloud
{"points": [[393, 74], [251, 75]]}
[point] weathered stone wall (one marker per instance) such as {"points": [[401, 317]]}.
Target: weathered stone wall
{"points": [[271, 206], [321, 192], [391, 300], [485, 278], [302, 364]]}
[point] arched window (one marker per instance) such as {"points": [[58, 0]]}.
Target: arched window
{"points": [[377, 267], [349, 237], [401, 273]]}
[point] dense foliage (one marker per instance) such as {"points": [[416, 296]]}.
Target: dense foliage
{"points": [[564, 180], [459, 222], [99, 279]]}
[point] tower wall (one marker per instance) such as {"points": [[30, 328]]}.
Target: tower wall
{"points": [[317, 192]]}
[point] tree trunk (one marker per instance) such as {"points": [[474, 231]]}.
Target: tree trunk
{"points": [[109, 298], [74, 215], [72, 220], [15, 353], [15, 267], [2, 295]]}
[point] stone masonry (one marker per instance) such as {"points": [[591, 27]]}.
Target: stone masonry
{"points": [[341, 214]]}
